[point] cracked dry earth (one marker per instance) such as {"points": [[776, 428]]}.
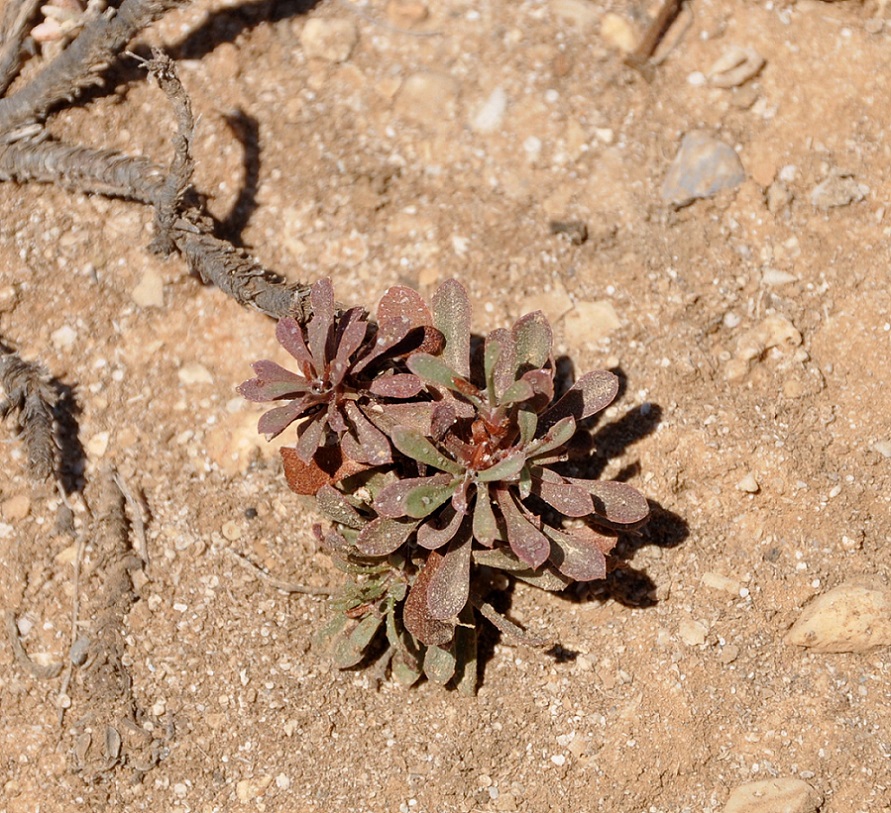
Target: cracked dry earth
{"points": [[409, 142]]}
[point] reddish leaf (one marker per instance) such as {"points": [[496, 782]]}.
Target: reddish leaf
{"points": [[416, 613], [592, 393], [404, 304], [578, 553], [399, 385], [616, 502], [391, 501], [320, 328], [375, 448], [416, 416], [570, 500], [451, 315], [328, 466], [533, 338], [529, 543], [312, 435], [351, 330], [383, 535], [433, 537], [450, 584], [290, 336], [272, 382]]}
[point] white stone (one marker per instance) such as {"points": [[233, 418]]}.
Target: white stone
{"points": [[490, 114], [149, 291], [774, 796], [748, 484], [332, 40], [193, 372], [850, 618], [64, 337], [692, 633]]}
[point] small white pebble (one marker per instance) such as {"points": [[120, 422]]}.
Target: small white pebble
{"points": [[558, 759], [696, 79]]}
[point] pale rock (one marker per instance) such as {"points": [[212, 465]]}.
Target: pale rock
{"points": [[581, 13], [775, 277], [194, 372], [692, 633], [149, 291], [589, 322], [97, 445], [231, 530], [618, 32], [16, 508], [406, 13], [703, 167], [331, 40], [490, 113], [839, 189], [248, 789], [234, 442], [718, 582], [428, 98], [735, 67], [748, 484], [774, 796], [774, 331], [883, 447], [850, 618], [64, 337], [554, 303]]}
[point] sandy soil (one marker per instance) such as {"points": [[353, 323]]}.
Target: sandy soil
{"points": [[374, 162]]}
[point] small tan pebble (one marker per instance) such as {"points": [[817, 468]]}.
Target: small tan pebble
{"points": [[231, 530], [581, 13], [749, 484], [849, 618], [428, 98], [9, 297], [331, 40], [194, 372], [883, 447], [729, 654], [407, 13], [692, 633], [589, 322], [554, 303], [64, 337], [718, 582], [97, 445], [774, 796], [618, 32], [17, 507], [248, 789], [735, 67], [149, 291], [66, 556]]}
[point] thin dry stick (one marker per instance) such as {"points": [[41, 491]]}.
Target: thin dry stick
{"points": [[16, 16], [639, 58], [136, 519], [24, 660], [278, 584], [508, 628]]}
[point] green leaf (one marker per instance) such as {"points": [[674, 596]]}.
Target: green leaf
{"points": [[336, 507], [592, 393], [423, 500], [557, 436], [413, 444], [349, 650], [383, 535], [451, 316], [485, 527], [490, 360], [533, 339], [518, 391], [434, 369], [404, 672], [506, 469], [528, 423], [439, 664]]}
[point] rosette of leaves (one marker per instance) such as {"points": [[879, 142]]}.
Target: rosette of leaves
{"points": [[476, 481], [347, 368]]}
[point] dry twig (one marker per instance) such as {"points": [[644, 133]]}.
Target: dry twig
{"points": [[278, 584], [24, 660]]}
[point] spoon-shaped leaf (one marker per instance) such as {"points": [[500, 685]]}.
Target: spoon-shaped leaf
{"points": [[413, 444]]}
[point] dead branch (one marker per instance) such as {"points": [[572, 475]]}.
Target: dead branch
{"points": [[79, 66], [30, 395], [278, 584], [13, 30]]}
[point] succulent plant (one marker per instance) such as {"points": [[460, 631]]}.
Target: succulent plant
{"points": [[347, 366], [473, 478]]}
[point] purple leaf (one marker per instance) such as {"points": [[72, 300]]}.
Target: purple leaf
{"points": [[320, 328], [274, 422], [416, 416], [272, 382], [290, 336], [616, 502], [312, 434], [593, 392], [433, 537], [399, 385], [542, 382], [383, 535], [451, 315], [404, 304], [570, 500], [351, 330], [533, 338], [443, 419], [375, 446], [416, 614], [503, 367], [450, 586], [391, 500], [518, 391], [577, 553], [525, 540]]}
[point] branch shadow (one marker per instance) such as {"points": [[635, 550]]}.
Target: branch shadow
{"points": [[246, 129], [72, 455]]}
